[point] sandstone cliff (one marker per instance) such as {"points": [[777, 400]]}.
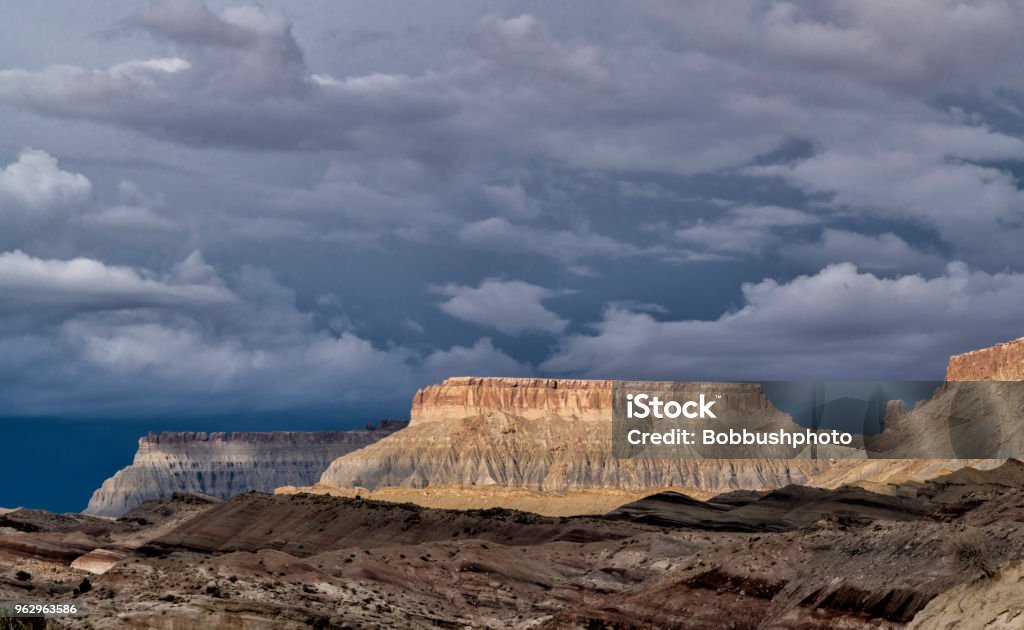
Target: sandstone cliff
{"points": [[1001, 362], [225, 464], [527, 398], [554, 436], [551, 435]]}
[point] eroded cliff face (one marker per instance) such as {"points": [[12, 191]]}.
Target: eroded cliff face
{"points": [[548, 435], [225, 464], [527, 398], [1001, 362], [554, 437]]}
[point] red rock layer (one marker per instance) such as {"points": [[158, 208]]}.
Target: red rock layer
{"points": [[1001, 362], [466, 396]]}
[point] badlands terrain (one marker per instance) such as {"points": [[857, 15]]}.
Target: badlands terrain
{"points": [[907, 555]]}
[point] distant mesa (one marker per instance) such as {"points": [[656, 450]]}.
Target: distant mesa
{"points": [[225, 464]]}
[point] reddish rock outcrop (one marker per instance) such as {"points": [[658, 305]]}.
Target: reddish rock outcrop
{"points": [[531, 398], [1001, 362]]}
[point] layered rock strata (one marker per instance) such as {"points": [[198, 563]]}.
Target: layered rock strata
{"points": [[225, 464], [554, 436], [1001, 362], [550, 435]]}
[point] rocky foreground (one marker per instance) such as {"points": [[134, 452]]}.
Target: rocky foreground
{"points": [[902, 555]]}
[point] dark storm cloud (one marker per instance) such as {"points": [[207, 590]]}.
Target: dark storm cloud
{"points": [[710, 90], [243, 82], [193, 342], [542, 170]]}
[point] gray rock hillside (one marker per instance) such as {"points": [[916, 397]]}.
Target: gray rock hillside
{"points": [[225, 464]]}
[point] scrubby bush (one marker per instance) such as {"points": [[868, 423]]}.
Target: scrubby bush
{"points": [[969, 554]]}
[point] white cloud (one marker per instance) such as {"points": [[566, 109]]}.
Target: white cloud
{"points": [[36, 181], [839, 323], [963, 202], [511, 306], [87, 284]]}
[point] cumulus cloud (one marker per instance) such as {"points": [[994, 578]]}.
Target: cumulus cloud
{"points": [[35, 181], [511, 306], [839, 323]]}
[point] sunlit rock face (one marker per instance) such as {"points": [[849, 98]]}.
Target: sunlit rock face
{"points": [[555, 436], [1001, 362], [549, 435]]}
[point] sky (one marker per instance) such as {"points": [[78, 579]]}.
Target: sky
{"points": [[318, 207]]}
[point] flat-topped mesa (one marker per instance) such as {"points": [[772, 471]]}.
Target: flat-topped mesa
{"points": [[225, 464], [530, 398], [1001, 362], [548, 435]]}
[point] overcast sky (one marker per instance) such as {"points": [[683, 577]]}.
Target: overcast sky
{"points": [[220, 207]]}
